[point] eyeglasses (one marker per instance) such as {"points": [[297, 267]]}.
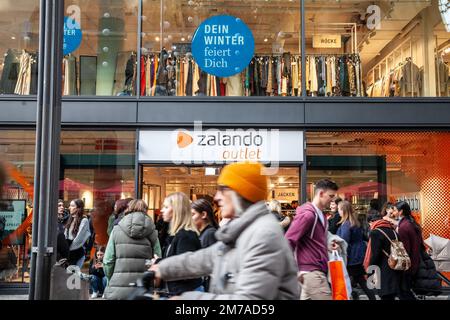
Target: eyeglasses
{"points": [[223, 188]]}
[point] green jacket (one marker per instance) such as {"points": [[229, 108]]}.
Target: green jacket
{"points": [[133, 241]]}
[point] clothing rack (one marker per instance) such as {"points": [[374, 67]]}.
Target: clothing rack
{"points": [[385, 61]]}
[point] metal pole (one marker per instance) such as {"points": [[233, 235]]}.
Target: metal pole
{"points": [[37, 165], [48, 153], [139, 53], [303, 53]]}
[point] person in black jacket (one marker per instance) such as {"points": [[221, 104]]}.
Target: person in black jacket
{"points": [[98, 278], [62, 247], [379, 247], [333, 222], [203, 216], [184, 237]]}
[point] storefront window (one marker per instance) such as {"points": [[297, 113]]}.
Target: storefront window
{"points": [[387, 166], [98, 168], [201, 182], [376, 49], [104, 62], [17, 152], [168, 68], [19, 38]]}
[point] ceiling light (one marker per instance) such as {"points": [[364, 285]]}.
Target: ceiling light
{"points": [[183, 39], [13, 38], [156, 38], [265, 40]]}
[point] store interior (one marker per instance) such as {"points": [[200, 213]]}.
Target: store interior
{"points": [[384, 48], [201, 182]]}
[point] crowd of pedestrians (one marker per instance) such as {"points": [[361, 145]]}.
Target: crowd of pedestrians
{"points": [[257, 251]]}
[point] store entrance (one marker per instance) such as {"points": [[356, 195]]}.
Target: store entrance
{"points": [[158, 181]]}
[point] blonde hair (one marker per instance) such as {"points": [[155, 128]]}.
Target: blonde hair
{"points": [[181, 216], [348, 214], [274, 205], [137, 205]]}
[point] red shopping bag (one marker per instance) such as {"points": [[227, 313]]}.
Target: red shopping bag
{"points": [[341, 287]]}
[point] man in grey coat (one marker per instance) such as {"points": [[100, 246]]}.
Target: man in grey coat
{"points": [[252, 259]]}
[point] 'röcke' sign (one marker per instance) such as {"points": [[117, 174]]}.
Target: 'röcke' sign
{"points": [[223, 45]]}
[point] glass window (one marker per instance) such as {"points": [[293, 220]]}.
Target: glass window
{"points": [[19, 38], [201, 182], [387, 166], [104, 63], [98, 168], [167, 66], [17, 151], [375, 49]]}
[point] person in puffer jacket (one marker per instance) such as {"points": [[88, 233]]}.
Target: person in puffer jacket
{"points": [[133, 241], [426, 281]]}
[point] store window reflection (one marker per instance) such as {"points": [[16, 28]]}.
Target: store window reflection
{"points": [[19, 38], [387, 166], [98, 168], [167, 66], [17, 152], [104, 63], [376, 49]]}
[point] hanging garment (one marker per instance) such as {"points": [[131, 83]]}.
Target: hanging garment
{"points": [[333, 72], [195, 78], [234, 87], [314, 86], [294, 68], [329, 87], [410, 82], [321, 76], [269, 88], [308, 77], [344, 76], [351, 78], [377, 88], [130, 72], [444, 78], [10, 72], [142, 76], [189, 79], [24, 75], [202, 84], [279, 77], [357, 62], [185, 76], [337, 88], [148, 75], [264, 70]]}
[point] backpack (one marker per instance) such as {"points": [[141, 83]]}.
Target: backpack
{"points": [[398, 259]]}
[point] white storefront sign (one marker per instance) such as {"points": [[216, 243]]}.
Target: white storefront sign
{"points": [[214, 146]]}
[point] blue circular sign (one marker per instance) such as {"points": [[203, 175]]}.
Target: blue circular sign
{"points": [[72, 35], [223, 45]]}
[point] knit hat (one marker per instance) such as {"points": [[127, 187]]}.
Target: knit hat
{"points": [[246, 179]]}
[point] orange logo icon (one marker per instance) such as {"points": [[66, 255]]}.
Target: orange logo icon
{"points": [[184, 139]]}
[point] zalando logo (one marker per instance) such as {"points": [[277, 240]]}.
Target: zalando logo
{"points": [[184, 139], [220, 139]]}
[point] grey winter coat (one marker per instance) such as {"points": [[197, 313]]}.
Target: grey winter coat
{"points": [[132, 241], [251, 260]]}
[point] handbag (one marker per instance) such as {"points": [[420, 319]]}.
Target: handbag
{"points": [[341, 287], [74, 255]]}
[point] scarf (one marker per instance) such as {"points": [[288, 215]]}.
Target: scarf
{"points": [[374, 225]]}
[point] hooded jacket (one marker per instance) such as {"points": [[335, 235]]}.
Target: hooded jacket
{"points": [[132, 241], [308, 238], [251, 260]]}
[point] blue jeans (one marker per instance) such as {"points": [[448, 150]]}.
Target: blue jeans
{"points": [[98, 284]]}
